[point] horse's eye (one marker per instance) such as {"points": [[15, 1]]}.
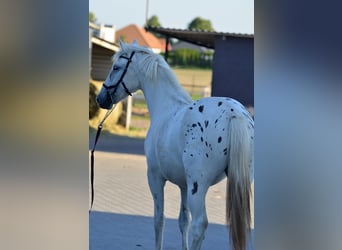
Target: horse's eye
{"points": [[115, 67]]}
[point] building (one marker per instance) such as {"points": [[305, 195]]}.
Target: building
{"points": [[144, 38], [101, 50], [233, 67]]}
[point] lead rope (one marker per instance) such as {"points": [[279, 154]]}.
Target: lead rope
{"points": [[99, 128]]}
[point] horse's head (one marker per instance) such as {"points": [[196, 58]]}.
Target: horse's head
{"points": [[122, 79]]}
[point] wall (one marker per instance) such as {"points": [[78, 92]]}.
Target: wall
{"points": [[233, 69], [101, 62]]}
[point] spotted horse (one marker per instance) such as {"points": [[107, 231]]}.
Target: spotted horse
{"points": [[193, 144]]}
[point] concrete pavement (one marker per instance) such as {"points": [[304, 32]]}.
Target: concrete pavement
{"points": [[122, 216]]}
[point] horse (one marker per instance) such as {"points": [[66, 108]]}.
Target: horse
{"points": [[193, 144]]}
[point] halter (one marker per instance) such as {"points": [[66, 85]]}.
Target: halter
{"points": [[99, 128], [115, 86]]}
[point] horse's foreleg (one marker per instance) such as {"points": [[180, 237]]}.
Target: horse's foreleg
{"points": [[199, 223], [156, 183], [184, 218]]}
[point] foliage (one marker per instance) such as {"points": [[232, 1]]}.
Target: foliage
{"points": [[153, 21], [199, 23], [122, 38], [92, 17], [189, 58], [93, 108]]}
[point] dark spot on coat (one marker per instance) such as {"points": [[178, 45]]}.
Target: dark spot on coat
{"points": [[219, 104], [201, 139], [231, 109], [190, 108], [206, 123], [194, 189], [191, 155], [206, 143], [225, 151], [216, 121], [252, 137], [200, 108], [206, 154], [199, 124], [194, 125], [219, 139]]}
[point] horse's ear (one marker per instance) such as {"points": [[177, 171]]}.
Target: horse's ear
{"points": [[121, 43], [135, 42]]}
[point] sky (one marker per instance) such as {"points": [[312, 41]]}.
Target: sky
{"points": [[225, 15]]}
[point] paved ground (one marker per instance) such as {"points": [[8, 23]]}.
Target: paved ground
{"points": [[122, 216]]}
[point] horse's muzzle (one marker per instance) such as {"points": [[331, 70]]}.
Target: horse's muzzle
{"points": [[107, 104]]}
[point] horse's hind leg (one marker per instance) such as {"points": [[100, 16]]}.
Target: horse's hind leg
{"points": [[196, 198], [184, 218], [156, 183]]}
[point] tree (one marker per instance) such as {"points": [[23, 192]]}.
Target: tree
{"points": [[92, 17], [199, 23], [153, 21]]}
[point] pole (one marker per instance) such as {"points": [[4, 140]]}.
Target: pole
{"points": [[147, 7], [167, 48], [129, 112]]}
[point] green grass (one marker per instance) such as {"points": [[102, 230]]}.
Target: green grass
{"points": [[200, 77], [140, 117], [141, 105]]}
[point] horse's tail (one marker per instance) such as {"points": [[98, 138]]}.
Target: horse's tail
{"points": [[238, 213]]}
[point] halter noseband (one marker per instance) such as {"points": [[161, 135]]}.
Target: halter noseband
{"points": [[115, 86]]}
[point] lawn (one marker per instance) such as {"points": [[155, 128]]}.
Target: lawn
{"points": [[198, 77]]}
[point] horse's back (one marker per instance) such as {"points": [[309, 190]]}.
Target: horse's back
{"points": [[194, 139]]}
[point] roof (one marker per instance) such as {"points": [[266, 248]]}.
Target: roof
{"points": [[144, 38], [105, 44], [93, 26], [199, 37]]}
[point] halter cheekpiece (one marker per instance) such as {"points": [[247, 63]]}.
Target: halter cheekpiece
{"points": [[115, 86]]}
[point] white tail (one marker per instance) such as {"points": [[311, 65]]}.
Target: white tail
{"points": [[238, 213]]}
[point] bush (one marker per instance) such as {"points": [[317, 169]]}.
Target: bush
{"points": [[93, 107], [191, 58], [96, 114]]}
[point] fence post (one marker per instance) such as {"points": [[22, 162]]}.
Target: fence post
{"points": [[129, 112]]}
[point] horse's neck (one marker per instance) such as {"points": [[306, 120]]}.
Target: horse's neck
{"points": [[164, 96]]}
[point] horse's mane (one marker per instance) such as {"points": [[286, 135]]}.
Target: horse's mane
{"points": [[151, 64]]}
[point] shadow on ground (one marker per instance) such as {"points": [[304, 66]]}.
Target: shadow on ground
{"points": [[108, 142], [125, 232]]}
